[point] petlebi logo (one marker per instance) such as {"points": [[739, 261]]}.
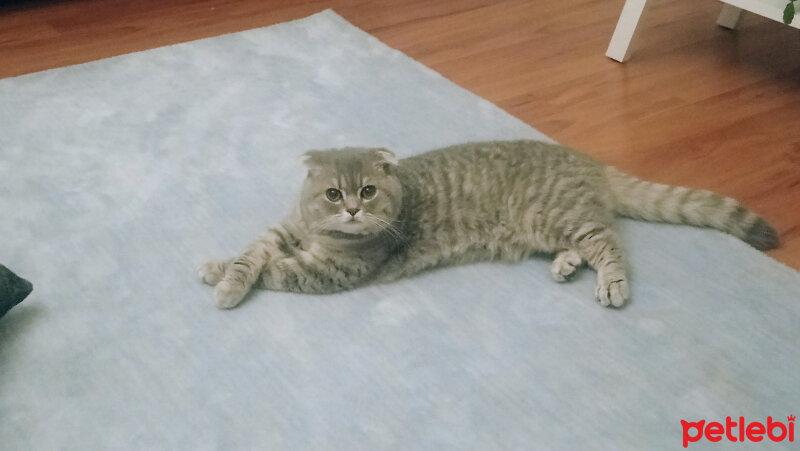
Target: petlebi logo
{"points": [[738, 430]]}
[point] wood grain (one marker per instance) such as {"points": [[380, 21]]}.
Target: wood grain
{"points": [[697, 105]]}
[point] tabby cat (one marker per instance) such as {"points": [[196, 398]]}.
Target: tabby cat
{"points": [[365, 217]]}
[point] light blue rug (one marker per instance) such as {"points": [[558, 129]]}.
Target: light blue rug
{"points": [[118, 177]]}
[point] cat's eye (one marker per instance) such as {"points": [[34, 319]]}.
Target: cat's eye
{"points": [[333, 194], [368, 192]]}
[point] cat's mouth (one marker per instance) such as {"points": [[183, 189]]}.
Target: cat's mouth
{"points": [[346, 218]]}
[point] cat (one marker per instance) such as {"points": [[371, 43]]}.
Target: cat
{"points": [[364, 217]]}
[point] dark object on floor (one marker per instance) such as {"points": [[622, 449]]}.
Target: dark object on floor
{"points": [[13, 289]]}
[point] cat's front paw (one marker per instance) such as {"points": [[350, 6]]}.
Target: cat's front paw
{"points": [[612, 291], [564, 265], [212, 272], [228, 295]]}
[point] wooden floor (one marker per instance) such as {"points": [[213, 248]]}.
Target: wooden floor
{"points": [[698, 105]]}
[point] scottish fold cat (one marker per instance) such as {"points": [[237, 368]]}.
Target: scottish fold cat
{"points": [[364, 217]]}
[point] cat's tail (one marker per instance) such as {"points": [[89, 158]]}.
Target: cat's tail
{"points": [[649, 201]]}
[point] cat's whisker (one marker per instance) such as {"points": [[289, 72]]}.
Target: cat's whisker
{"points": [[386, 226], [322, 225]]}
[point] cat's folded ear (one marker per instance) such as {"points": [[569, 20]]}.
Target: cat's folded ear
{"points": [[312, 161], [384, 160]]}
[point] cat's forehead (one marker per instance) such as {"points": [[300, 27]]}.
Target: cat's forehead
{"points": [[347, 175]]}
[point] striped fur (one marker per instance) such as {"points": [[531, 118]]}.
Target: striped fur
{"points": [[465, 203], [649, 201]]}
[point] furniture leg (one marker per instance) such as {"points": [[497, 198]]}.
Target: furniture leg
{"points": [[619, 48], [729, 16]]}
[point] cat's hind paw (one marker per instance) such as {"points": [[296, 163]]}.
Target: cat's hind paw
{"points": [[228, 295], [612, 291], [565, 265], [212, 272]]}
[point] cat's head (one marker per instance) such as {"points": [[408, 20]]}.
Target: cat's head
{"points": [[354, 191]]}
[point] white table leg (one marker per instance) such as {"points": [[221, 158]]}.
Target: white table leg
{"points": [[620, 47], [729, 16]]}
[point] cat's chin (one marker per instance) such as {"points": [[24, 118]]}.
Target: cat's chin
{"points": [[353, 228]]}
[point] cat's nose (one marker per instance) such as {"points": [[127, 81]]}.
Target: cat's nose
{"points": [[352, 211]]}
